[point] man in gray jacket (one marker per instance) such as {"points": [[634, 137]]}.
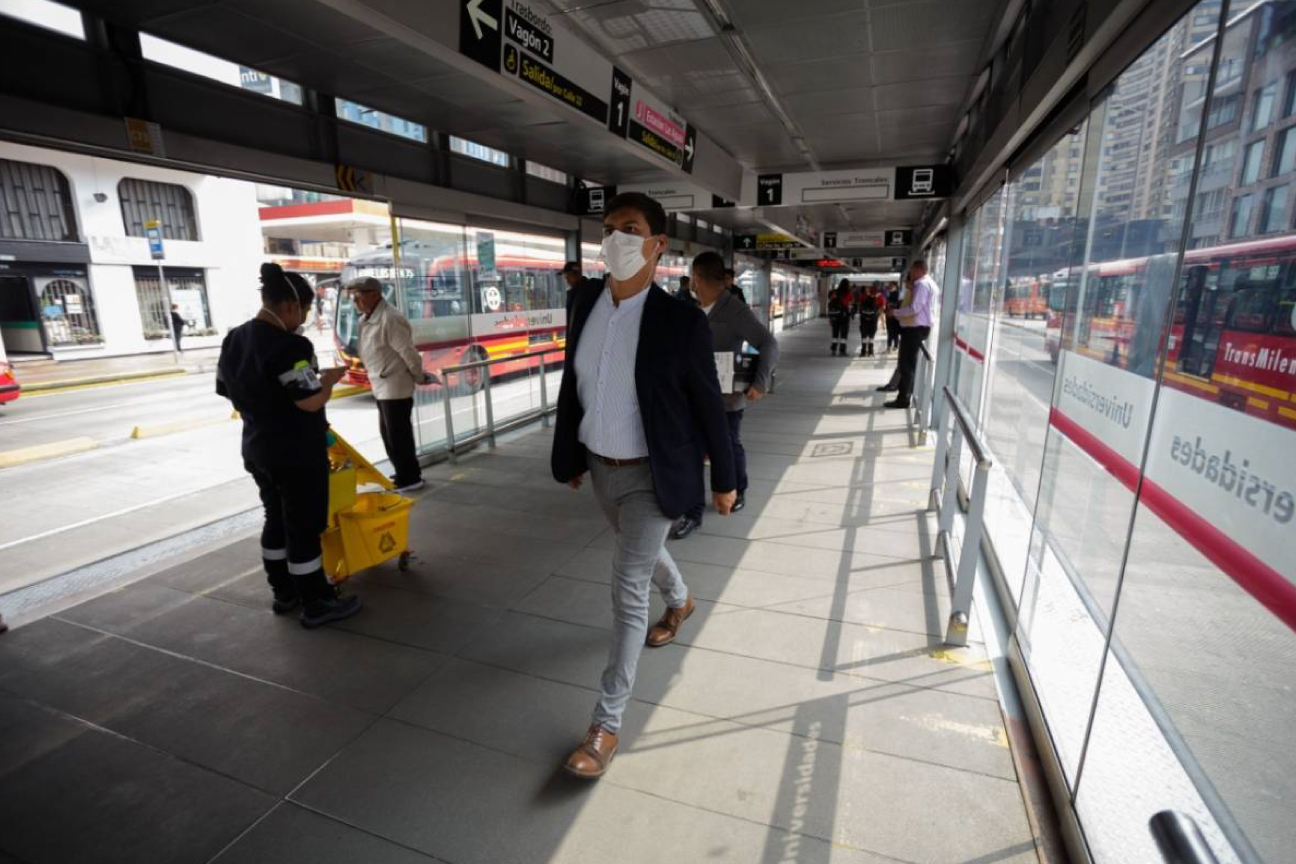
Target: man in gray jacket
{"points": [[395, 368], [732, 323]]}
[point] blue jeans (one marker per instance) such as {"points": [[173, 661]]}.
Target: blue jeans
{"points": [[740, 465]]}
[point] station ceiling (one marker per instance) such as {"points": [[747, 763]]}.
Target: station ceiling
{"points": [[815, 85]]}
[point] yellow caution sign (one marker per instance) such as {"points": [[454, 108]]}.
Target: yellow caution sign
{"points": [[352, 179]]}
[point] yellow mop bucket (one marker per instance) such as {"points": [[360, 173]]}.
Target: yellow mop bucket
{"points": [[373, 530]]}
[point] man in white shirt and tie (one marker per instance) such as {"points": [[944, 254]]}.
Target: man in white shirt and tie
{"points": [[915, 325], [639, 405]]}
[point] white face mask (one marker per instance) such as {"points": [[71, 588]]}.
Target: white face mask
{"points": [[623, 254]]}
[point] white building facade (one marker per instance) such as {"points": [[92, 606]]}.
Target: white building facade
{"points": [[77, 279]]}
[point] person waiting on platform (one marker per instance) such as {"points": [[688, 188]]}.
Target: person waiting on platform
{"points": [[839, 313], [869, 312], [732, 287], [732, 324], [892, 325], [915, 318], [269, 371], [395, 368], [685, 292]]}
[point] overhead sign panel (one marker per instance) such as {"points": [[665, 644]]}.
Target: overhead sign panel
{"points": [[674, 197], [479, 31], [924, 181], [522, 39], [766, 242], [592, 200], [858, 184], [656, 127]]}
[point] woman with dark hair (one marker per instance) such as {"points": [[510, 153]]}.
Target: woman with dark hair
{"points": [[269, 371], [839, 314]]}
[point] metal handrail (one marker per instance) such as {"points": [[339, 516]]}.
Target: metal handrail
{"points": [[1179, 839], [961, 574], [488, 434], [491, 361], [969, 429], [922, 415]]}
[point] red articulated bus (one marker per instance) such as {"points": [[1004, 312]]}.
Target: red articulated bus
{"points": [[460, 313], [1233, 334]]}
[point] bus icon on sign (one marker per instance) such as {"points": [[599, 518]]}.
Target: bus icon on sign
{"points": [[923, 182], [596, 200]]}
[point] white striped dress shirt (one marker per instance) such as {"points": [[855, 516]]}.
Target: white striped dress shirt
{"points": [[605, 378]]}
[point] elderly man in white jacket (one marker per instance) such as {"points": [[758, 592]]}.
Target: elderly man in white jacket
{"points": [[395, 368]]}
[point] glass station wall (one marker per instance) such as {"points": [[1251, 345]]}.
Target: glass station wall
{"points": [[471, 294], [1126, 338]]}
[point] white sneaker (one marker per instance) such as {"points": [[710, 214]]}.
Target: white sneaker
{"points": [[412, 487]]}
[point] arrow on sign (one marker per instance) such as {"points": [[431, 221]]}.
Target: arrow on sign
{"points": [[478, 17]]}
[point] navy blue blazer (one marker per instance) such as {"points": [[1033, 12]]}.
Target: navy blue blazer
{"points": [[679, 399]]}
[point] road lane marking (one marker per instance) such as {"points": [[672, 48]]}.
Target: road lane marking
{"points": [[23, 455], [174, 426], [33, 391]]}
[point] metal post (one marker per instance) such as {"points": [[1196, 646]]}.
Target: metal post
{"points": [[961, 604], [938, 467], [544, 394], [920, 412], [949, 499], [450, 445], [490, 409], [166, 314]]}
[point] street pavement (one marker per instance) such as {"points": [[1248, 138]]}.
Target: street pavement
{"points": [[187, 472]]}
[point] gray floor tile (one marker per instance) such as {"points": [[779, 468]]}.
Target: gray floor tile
{"points": [[40, 645], [28, 732], [213, 568], [292, 833], [246, 729], [473, 805], [440, 624], [355, 670], [99, 797], [497, 585]]}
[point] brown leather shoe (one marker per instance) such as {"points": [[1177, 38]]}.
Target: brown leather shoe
{"points": [[590, 760], [663, 632]]}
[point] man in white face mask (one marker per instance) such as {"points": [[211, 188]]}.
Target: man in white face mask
{"points": [[639, 406]]}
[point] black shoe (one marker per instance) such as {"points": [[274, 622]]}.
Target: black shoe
{"points": [[684, 527], [321, 612], [285, 605], [833, 351], [888, 388], [739, 503], [897, 403]]}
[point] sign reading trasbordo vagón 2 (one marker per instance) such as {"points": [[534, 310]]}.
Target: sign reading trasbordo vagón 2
{"points": [[520, 39]]}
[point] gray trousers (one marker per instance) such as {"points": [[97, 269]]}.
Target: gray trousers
{"points": [[629, 501]]}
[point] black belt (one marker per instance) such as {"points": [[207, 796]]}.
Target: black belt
{"points": [[620, 463]]}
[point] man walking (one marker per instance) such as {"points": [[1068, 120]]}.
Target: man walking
{"points": [[177, 325], [732, 324], [638, 404], [915, 324], [395, 368]]}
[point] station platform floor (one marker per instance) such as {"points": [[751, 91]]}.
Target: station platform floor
{"points": [[807, 713]]}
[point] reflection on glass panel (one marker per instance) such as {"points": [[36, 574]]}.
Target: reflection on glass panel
{"points": [[1131, 209], [479, 151], [200, 63], [354, 112], [1210, 560], [972, 332], [1042, 238]]}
